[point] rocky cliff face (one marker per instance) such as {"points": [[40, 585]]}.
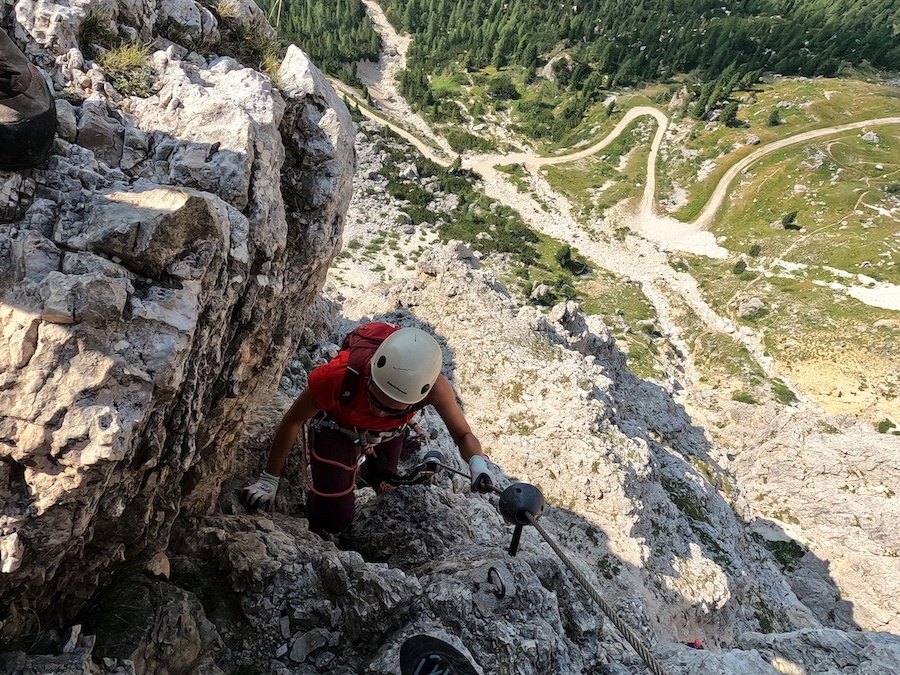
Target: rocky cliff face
{"points": [[154, 277], [159, 274]]}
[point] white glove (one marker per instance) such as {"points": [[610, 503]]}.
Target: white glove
{"points": [[481, 477], [261, 494]]}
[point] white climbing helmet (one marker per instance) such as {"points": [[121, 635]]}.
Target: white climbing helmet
{"points": [[406, 365]]}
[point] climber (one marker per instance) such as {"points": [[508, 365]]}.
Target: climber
{"points": [[357, 407], [27, 111]]}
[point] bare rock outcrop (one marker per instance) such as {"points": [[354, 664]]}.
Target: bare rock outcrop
{"points": [[426, 559], [596, 439], [670, 524], [152, 288], [816, 491]]}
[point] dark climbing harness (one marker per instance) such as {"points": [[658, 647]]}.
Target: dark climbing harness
{"points": [[365, 440]]}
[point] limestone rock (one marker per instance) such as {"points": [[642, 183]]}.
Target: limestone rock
{"points": [[541, 293], [194, 18], [155, 279], [152, 230], [750, 308], [251, 17], [410, 172], [152, 288], [572, 322], [539, 411], [68, 124], [824, 490], [98, 132]]}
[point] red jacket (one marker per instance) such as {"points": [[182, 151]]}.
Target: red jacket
{"points": [[325, 384]]}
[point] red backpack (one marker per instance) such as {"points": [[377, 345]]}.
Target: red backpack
{"points": [[363, 341]]}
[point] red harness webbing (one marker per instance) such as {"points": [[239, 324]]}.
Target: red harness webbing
{"points": [[308, 450]]}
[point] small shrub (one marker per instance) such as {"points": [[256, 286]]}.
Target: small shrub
{"points": [[70, 95], [885, 426], [409, 192], [682, 495], [609, 566], [420, 214], [744, 397], [755, 250], [127, 68], [787, 553], [766, 619], [563, 255], [774, 118], [501, 87], [564, 289], [739, 267], [789, 220], [783, 393], [96, 31], [728, 117], [461, 141], [565, 260]]}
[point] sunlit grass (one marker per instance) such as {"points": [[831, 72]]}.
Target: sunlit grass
{"points": [[127, 67], [598, 182], [807, 105]]}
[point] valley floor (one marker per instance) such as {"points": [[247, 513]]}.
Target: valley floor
{"points": [[865, 384]]}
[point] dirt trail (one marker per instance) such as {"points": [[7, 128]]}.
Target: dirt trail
{"points": [[381, 79], [705, 220], [666, 231]]}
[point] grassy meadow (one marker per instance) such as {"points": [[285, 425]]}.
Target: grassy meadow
{"points": [[802, 105], [616, 174], [841, 197]]}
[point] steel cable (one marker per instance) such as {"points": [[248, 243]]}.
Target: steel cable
{"points": [[627, 632], [632, 637]]}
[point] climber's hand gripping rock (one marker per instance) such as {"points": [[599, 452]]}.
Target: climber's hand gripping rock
{"points": [[261, 494]]}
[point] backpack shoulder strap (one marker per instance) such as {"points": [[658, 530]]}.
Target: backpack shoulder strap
{"points": [[362, 342]]}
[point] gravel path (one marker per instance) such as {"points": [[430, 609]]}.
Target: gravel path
{"points": [[381, 78], [636, 258], [705, 219]]}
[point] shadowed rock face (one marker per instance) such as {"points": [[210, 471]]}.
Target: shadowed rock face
{"points": [[152, 288]]}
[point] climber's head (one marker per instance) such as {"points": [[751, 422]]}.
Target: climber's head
{"points": [[405, 366]]}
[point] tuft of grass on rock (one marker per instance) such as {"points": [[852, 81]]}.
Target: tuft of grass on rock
{"points": [[128, 69]]}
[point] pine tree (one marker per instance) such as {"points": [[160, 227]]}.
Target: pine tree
{"points": [[728, 117]]}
